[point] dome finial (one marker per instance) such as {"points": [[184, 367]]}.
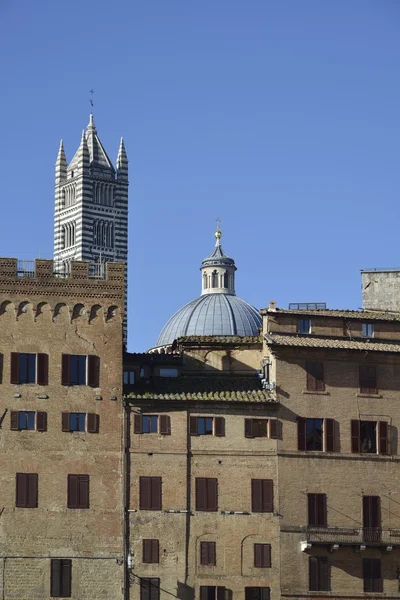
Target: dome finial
{"points": [[218, 232]]}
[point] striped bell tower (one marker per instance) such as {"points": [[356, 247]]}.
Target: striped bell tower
{"points": [[91, 206]]}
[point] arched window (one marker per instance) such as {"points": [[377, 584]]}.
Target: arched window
{"points": [[111, 239], [205, 286], [226, 280], [214, 279], [63, 241]]}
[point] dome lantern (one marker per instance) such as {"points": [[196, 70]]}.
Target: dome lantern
{"points": [[218, 270]]}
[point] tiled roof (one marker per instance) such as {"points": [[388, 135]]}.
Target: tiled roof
{"points": [[220, 339], [346, 314], [301, 341], [228, 388]]}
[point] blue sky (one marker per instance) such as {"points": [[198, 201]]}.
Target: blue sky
{"points": [[281, 117]]}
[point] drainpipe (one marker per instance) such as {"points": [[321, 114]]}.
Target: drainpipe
{"points": [[126, 494]]}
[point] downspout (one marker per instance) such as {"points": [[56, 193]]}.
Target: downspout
{"points": [[126, 494], [188, 493]]}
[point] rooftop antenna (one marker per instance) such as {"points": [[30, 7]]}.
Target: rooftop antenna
{"points": [[91, 92]]}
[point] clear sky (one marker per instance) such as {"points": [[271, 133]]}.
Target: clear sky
{"points": [[281, 117]]}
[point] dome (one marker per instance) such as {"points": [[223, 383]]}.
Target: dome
{"points": [[212, 314]]}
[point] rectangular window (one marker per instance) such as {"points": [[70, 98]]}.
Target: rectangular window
{"points": [[315, 377], [372, 575], [316, 434], [129, 377], [207, 426], [29, 368], [152, 424], [370, 437], [26, 490], [255, 428], [208, 553], [150, 551], [372, 518], [368, 382], [262, 495], [262, 555], [319, 580], [79, 369], [26, 419], [212, 592], [317, 511], [257, 593], [206, 494], [150, 493], [304, 326], [367, 330], [78, 491], [168, 372], [77, 421], [150, 588], [60, 578]]}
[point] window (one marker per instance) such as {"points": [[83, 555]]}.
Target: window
{"points": [[26, 490], [315, 377], [28, 420], [152, 424], [255, 428], [262, 555], [150, 588], [168, 372], [78, 491], [214, 279], [304, 326], [370, 437], [257, 593], [368, 383], [207, 426], [78, 369], [212, 592], [367, 330], [372, 518], [129, 377], [208, 553], [316, 434], [150, 551], [78, 421], [319, 580], [29, 368], [372, 575], [262, 495], [207, 494], [150, 494], [60, 578], [226, 280], [317, 513]]}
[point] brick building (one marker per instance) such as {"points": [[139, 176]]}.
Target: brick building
{"points": [[61, 515]]}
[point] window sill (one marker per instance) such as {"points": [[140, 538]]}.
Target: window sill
{"points": [[359, 395], [316, 393]]}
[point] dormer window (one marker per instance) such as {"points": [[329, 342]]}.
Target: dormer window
{"points": [[304, 326], [367, 330]]}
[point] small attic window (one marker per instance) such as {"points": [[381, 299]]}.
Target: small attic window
{"points": [[72, 174], [168, 372]]}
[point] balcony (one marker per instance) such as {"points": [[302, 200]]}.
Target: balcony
{"points": [[363, 537]]}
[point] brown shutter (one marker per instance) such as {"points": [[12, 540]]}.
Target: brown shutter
{"points": [[267, 495], [156, 493], [219, 426], [193, 425], [93, 371], [212, 554], [73, 491], [311, 381], [83, 482], [137, 424], [65, 426], [275, 429], [146, 557], [21, 493], [319, 376], [204, 553], [220, 592], [155, 553], [14, 417], [43, 369], [66, 568], [201, 493], [65, 369], [371, 512], [330, 435], [203, 592], [301, 433], [383, 437], [248, 428], [256, 495], [258, 555], [55, 578], [1, 367], [212, 494], [165, 425], [93, 423], [355, 436], [321, 510], [267, 555], [32, 490], [313, 573], [323, 574], [368, 379], [41, 421], [14, 367], [312, 509]]}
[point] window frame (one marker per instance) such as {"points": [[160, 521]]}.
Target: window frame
{"points": [[372, 583], [78, 491], [262, 556], [150, 585], [317, 510], [329, 438], [206, 494], [301, 329], [367, 330], [315, 376], [208, 553], [150, 551], [382, 436], [60, 577], [319, 576], [26, 490], [217, 425], [262, 495], [129, 374], [368, 379], [263, 593], [150, 493]]}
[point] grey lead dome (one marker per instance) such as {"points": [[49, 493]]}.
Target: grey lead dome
{"points": [[218, 311]]}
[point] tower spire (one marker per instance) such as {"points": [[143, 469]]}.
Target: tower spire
{"points": [[61, 164], [122, 161]]}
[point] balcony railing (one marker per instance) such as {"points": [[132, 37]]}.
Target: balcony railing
{"points": [[26, 268], [347, 536]]}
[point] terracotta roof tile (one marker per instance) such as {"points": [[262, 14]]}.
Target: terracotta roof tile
{"points": [[332, 343], [361, 315]]}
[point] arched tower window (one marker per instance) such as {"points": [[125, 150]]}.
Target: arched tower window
{"points": [[214, 279], [226, 280], [205, 285]]}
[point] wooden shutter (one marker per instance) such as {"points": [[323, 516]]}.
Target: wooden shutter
{"points": [[65, 422], [323, 574], [248, 428], [220, 592], [154, 588], [73, 491], [150, 551], [372, 575], [66, 568], [212, 494], [42, 369], [1, 367], [315, 376], [41, 421], [193, 425], [156, 493], [355, 436], [201, 493], [267, 555], [330, 435], [383, 437], [65, 369], [93, 423], [301, 433], [312, 509], [321, 510], [311, 381], [145, 493], [275, 429], [145, 589], [258, 555], [155, 552], [93, 370], [21, 494], [165, 425], [55, 578], [219, 426], [83, 494], [368, 379], [14, 418], [371, 511], [203, 592], [256, 495], [207, 553], [267, 495], [14, 367], [313, 573], [32, 500], [138, 424]]}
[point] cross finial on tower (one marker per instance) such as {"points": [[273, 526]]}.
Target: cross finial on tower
{"points": [[218, 233], [91, 92]]}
